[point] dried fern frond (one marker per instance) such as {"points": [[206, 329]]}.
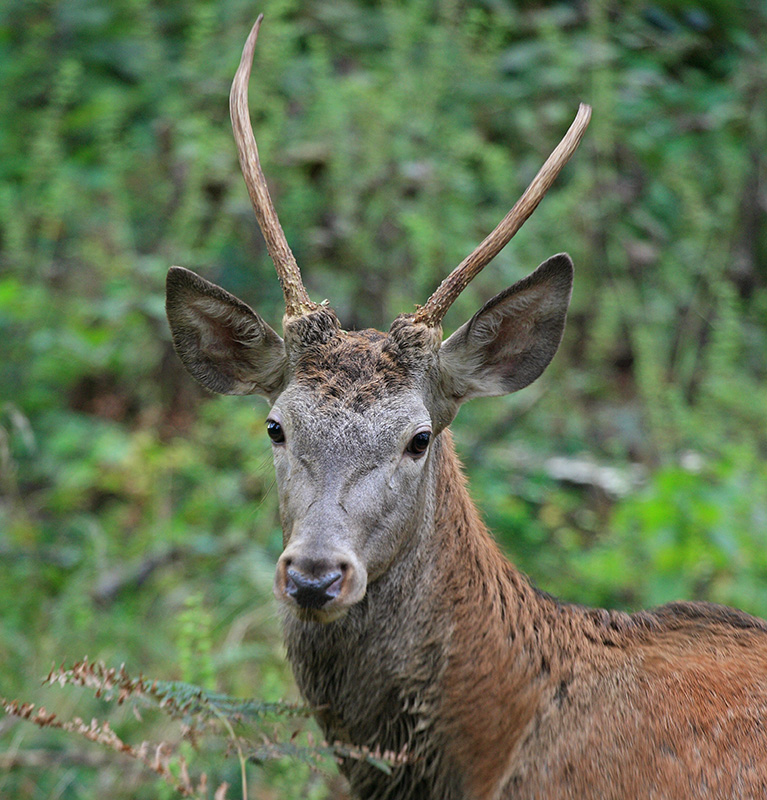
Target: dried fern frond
{"points": [[176, 698], [252, 729], [157, 757]]}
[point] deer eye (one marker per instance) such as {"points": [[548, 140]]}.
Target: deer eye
{"points": [[419, 443], [275, 432]]}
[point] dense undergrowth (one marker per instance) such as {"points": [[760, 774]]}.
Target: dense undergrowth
{"points": [[395, 135]]}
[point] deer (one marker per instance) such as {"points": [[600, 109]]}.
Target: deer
{"points": [[408, 631]]}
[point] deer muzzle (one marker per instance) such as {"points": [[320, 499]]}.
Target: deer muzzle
{"points": [[319, 589]]}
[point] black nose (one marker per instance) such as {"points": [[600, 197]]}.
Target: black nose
{"points": [[310, 592]]}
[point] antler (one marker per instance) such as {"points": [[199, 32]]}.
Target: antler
{"points": [[297, 302], [433, 311]]}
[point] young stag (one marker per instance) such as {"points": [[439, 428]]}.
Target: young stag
{"points": [[405, 626]]}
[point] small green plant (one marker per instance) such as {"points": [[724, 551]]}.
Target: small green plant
{"points": [[195, 644]]}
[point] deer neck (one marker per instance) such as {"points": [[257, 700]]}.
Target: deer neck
{"points": [[507, 644]]}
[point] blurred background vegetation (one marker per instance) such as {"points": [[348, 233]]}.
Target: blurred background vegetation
{"points": [[138, 519]]}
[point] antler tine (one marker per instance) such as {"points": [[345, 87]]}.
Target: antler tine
{"points": [[297, 300], [433, 311]]}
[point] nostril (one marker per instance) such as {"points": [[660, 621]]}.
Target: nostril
{"points": [[333, 589]]}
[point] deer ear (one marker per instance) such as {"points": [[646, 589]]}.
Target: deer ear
{"points": [[221, 341], [508, 343]]}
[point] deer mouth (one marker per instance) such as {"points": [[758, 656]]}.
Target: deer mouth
{"points": [[318, 616]]}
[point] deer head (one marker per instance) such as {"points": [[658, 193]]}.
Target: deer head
{"points": [[356, 416]]}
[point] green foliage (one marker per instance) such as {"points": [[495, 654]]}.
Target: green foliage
{"points": [[695, 531], [137, 517]]}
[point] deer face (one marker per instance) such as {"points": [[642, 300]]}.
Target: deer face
{"points": [[351, 436], [352, 482]]}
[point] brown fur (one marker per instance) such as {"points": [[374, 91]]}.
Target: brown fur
{"points": [[589, 703], [359, 368]]}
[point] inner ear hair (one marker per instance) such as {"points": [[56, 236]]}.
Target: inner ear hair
{"points": [[222, 342], [509, 342]]}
